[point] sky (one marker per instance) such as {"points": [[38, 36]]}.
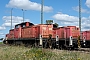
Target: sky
{"points": [[63, 12]]}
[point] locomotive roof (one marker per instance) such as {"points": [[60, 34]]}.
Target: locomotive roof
{"points": [[11, 29], [24, 23], [49, 24]]}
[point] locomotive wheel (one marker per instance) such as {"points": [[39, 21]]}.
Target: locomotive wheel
{"points": [[4, 41], [46, 45]]}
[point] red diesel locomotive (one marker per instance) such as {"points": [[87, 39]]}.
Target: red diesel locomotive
{"points": [[46, 35]]}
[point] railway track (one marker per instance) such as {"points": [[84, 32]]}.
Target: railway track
{"points": [[76, 49], [84, 49]]}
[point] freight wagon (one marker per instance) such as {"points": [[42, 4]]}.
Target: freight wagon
{"points": [[46, 35]]}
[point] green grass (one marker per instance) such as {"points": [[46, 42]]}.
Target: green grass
{"points": [[1, 42], [23, 53]]}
